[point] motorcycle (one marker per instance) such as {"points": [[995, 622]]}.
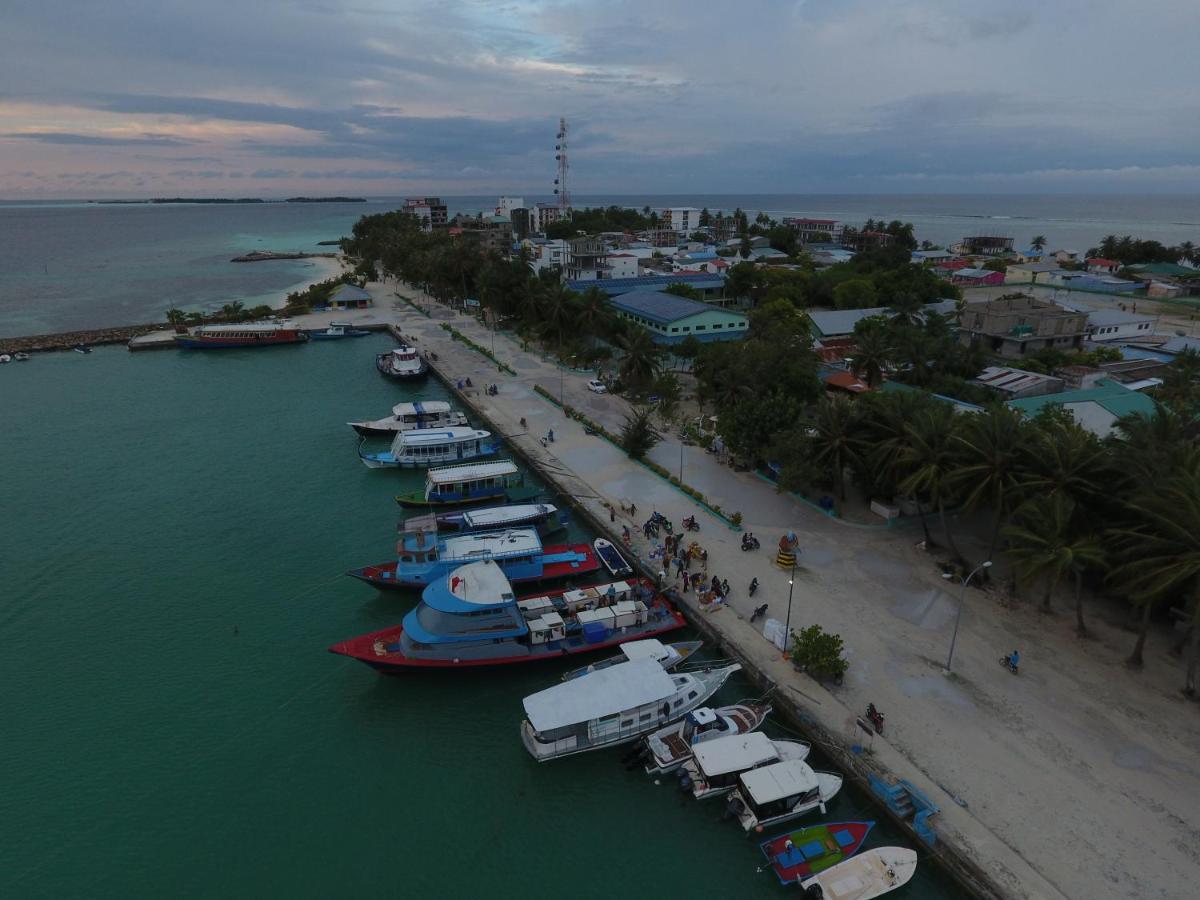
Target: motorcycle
{"points": [[875, 717], [759, 612], [1007, 662], [749, 542], [691, 524], [753, 587], [524, 424]]}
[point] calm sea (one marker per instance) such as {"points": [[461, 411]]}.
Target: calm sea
{"points": [[173, 725], [76, 265]]}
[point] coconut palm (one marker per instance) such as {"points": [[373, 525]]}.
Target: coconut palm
{"points": [[872, 355], [1044, 541], [1061, 458], [991, 470], [1180, 391], [930, 458], [231, 311], [593, 312], [640, 362], [1146, 448], [836, 438], [1038, 243], [176, 318], [557, 312], [906, 308]]}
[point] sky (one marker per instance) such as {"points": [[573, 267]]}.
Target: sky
{"points": [[129, 98]]}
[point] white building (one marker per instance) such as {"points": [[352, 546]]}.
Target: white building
{"points": [[544, 254], [681, 219], [622, 265], [544, 214], [1115, 325], [506, 205]]}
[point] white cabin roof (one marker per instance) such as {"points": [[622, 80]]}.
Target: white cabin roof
{"points": [[649, 648], [483, 583], [427, 407], [783, 779], [735, 753], [264, 327], [512, 542], [427, 437], [405, 352], [471, 472], [601, 693], [498, 515]]}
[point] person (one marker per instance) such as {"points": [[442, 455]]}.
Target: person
{"points": [[633, 510], [543, 442], [724, 587], [625, 535], [716, 583], [469, 383], [550, 435], [524, 424], [1014, 660], [612, 513]]}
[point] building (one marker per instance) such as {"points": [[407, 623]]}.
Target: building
{"points": [[709, 286], [986, 245], [840, 323], [506, 205], [821, 231], [682, 220], [431, 211], [547, 254], [1031, 273], [587, 259], [622, 265], [969, 277], [1098, 265], [767, 255], [349, 296], [1116, 325], [1018, 325], [671, 319], [544, 214], [931, 257], [1096, 284], [1096, 408], [523, 224], [866, 240], [1066, 256], [1014, 384]]}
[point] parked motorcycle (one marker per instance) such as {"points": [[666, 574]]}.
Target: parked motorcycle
{"points": [[759, 612], [875, 717], [1012, 663], [691, 524], [749, 542], [753, 587]]}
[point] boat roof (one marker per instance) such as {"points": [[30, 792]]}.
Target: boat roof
{"points": [[405, 351], [734, 753], [471, 471], [783, 779], [421, 408], [648, 648], [424, 437], [600, 693], [490, 544], [498, 515], [470, 588]]}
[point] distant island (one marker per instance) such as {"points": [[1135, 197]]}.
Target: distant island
{"points": [[325, 200], [225, 200]]}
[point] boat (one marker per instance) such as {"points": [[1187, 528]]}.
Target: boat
{"points": [[613, 561], [781, 791], [470, 619], [430, 447], [20, 357], [410, 416], [5, 358], [545, 517], [669, 747], [872, 873], [82, 348], [423, 557], [471, 483], [336, 331], [715, 765], [248, 334], [402, 364], [613, 706], [808, 851], [667, 655]]}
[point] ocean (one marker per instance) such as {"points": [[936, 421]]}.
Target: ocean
{"points": [[73, 265], [173, 725]]}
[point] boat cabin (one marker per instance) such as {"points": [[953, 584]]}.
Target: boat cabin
{"points": [[719, 762], [471, 480], [427, 414], [437, 445], [704, 721], [777, 789]]}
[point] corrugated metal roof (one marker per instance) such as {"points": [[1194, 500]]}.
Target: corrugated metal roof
{"points": [[616, 286], [662, 307]]}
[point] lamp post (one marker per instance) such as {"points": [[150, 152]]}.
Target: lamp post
{"points": [[787, 626], [986, 564], [562, 368]]}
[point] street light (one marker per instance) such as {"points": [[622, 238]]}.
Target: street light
{"points": [[787, 626], [986, 564], [562, 368]]}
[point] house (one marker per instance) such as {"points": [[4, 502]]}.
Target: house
{"points": [[546, 254], [680, 219], [1029, 255], [1098, 265], [587, 259], [1066, 256], [831, 256], [1013, 384], [842, 381], [969, 277], [815, 230], [1031, 272], [349, 296], [1096, 284], [670, 319], [931, 257], [1017, 325], [1096, 408], [767, 255], [985, 245], [709, 286], [866, 240], [622, 265], [756, 240], [1116, 325], [835, 323]]}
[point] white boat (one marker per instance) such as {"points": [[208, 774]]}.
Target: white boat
{"points": [[20, 357], [431, 447], [666, 655], [410, 416], [613, 706], [871, 873], [5, 358], [403, 364], [715, 765], [781, 791], [667, 749], [612, 559]]}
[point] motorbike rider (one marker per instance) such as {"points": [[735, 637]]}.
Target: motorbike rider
{"points": [[1014, 660], [753, 586]]}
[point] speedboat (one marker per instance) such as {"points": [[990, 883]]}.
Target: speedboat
{"points": [[402, 364], [409, 416], [667, 655], [471, 618], [335, 331], [779, 792], [808, 851], [5, 358], [614, 706], [82, 348], [668, 748], [613, 561], [715, 765], [430, 447], [872, 873]]}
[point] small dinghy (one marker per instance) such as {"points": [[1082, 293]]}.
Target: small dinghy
{"points": [[20, 357], [809, 851], [5, 358], [336, 331], [82, 348], [613, 561], [870, 874], [669, 748], [667, 655]]}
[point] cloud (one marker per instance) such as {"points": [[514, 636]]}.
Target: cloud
{"points": [[96, 140]]}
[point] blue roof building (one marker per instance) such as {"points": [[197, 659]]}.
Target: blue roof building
{"points": [[670, 319], [708, 285]]}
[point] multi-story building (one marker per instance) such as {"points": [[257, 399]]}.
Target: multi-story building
{"points": [[866, 240], [506, 205], [985, 245], [587, 259], [544, 214], [680, 219], [431, 211], [1018, 325], [816, 230]]}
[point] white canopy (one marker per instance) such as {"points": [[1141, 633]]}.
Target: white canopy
{"points": [[603, 693], [784, 779], [735, 753], [472, 472], [499, 515], [649, 648], [428, 407]]}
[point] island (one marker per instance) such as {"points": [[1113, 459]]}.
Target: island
{"points": [[262, 255]]}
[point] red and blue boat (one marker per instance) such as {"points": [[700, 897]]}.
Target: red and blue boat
{"points": [[471, 618], [236, 337], [805, 852]]}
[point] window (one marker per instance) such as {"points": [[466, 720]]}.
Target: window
{"points": [[715, 327], [701, 327], [645, 717], [692, 695], [627, 723], [674, 330]]}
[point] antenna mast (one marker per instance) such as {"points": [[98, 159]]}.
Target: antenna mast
{"points": [[560, 183]]}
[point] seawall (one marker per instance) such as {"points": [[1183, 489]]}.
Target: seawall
{"points": [[65, 340]]}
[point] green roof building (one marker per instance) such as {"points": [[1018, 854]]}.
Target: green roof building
{"points": [[1096, 408]]}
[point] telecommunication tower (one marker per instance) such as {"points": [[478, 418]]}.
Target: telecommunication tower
{"points": [[560, 183]]}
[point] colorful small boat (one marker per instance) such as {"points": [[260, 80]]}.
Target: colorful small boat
{"points": [[472, 483], [545, 517], [336, 331], [613, 561], [235, 337], [431, 447], [410, 416], [402, 364], [470, 618], [871, 874], [808, 851]]}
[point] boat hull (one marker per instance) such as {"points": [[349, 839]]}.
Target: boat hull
{"points": [[519, 494], [389, 576], [814, 849]]}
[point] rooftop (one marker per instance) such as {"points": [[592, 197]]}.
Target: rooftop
{"points": [[424, 437], [615, 286], [350, 292], [601, 693], [734, 753], [783, 779], [487, 545], [471, 471], [659, 306], [1111, 395], [1012, 381], [1116, 317]]}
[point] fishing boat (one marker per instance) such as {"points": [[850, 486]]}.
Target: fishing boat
{"points": [[471, 483], [781, 791], [247, 334], [402, 364], [471, 618], [613, 706], [423, 557], [808, 851], [666, 655], [668, 748], [410, 416], [613, 561], [715, 765], [335, 331], [431, 447], [872, 873], [545, 517]]}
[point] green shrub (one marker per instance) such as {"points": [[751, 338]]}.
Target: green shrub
{"points": [[736, 520], [818, 653]]}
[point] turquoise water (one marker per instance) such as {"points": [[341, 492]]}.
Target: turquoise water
{"points": [[173, 726]]}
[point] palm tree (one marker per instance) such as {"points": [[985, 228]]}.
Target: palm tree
{"points": [[176, 318], [231, 311], [930, 458], [872, 355], [557, 312], [640, 363], [1044, 542], [1179, 389], [990, 471], [906, 308], [1038, 243], [639, 435], [1148, 447], [835, 441], [1061, 458], [1187, 250], [886, 420], [594, 312]]}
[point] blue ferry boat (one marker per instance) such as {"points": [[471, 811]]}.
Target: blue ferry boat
{"points": [[471, 483], [430, 447]]}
